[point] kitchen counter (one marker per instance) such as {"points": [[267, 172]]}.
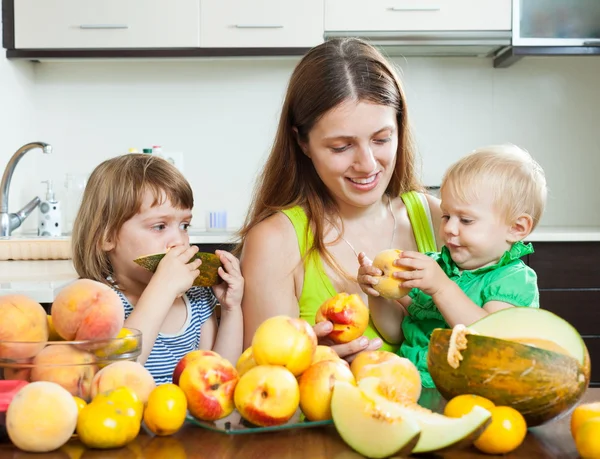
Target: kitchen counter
{"points": [[41, 280], [550, 441]]}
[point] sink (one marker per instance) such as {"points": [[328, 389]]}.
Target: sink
{"points": [[33, 247]]}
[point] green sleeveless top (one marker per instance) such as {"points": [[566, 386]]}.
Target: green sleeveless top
{"points": [[317, 286]]}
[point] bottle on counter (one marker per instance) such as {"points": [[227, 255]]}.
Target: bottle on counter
{"points": [[50, 215]]}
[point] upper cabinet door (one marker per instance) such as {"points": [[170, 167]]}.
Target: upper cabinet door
{"points": [[43, 24], [417, 15], [261, 23]]}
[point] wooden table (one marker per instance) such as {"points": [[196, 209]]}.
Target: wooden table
{"points": [[552, 440]]}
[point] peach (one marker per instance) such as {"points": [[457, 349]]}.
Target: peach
{"points": [[325, 353], [400, 380], [23, 321], [349, 315], [186, 359], [388, 286], [245, 362], [370, 358], [286, 341], [20, 371], [67, 366], [125, 373], [41, 417], [316, 388], [267, 395], [52, 334], [209, 383], [85, 310]]}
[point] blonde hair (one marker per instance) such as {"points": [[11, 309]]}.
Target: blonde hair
{"points": [[113, 194], [516, 180]]}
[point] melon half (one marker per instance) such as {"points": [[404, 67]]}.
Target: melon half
{"points": [[529, 359], [368, 429]]}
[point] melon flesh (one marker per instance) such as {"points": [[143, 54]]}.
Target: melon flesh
{"points": [[437, 431], [366, 428], [523, 324]]}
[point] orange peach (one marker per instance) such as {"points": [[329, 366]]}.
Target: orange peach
{"points": [[41, 417], [267, 395], [125, 373], [286, 341], [187, 358], [316, 388], [324, 353], [388, 286], [347, 313], [66, 365], [209, 383], [245, 362], [370, 358], [23, 328], [86, 310]]}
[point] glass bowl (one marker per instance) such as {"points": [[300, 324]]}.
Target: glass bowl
{"points": [[72, 364]]}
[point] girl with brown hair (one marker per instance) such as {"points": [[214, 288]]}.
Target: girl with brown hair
{"points": [[335, 184]]}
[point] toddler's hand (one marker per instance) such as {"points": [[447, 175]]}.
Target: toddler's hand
{"points": [[367, 275], [425, 273], [175, 271], [230, 292]]}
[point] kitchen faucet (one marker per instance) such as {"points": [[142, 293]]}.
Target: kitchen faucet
{"points": [[8, 221]]}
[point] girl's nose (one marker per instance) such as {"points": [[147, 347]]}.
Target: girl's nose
{"points": [[177, 238], [365, 160], [451, 226]]}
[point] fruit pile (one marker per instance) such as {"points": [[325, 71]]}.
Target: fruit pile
{"points": [[75, 346]]}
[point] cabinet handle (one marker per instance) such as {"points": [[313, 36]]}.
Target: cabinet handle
{"points": [[104, 26], [414, 8], [258, 26]]}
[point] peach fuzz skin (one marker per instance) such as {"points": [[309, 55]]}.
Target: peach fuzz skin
{"points": [[187, 359], [23, 320], [124, 373], [208, 383], [86, 310], [347, 313]]}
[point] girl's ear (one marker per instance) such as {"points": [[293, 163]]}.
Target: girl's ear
{"points": [[303, 145], [520, 228], [107, 243]]}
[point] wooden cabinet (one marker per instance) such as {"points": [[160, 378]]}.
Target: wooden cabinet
{"points": [[76, 24], [569, 282], [418, 15], [260, 23]]}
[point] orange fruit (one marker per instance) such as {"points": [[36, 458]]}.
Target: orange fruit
{"points": [[81, 403], [582, 413], [166, 409], [463, 404], [124, 397], [587, 440], [504, 434]]}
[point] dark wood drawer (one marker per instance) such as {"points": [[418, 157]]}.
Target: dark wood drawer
{"points": [[581, 308], [569, 265]]}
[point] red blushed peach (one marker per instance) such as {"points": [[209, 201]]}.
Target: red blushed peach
{"points": [[187, 359], [209, 383], [267, 395], [285, 341], [347, 313], [86, 310], [23, 321], [125, 373], [67, 366]]}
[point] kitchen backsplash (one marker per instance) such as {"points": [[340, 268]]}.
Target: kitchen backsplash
{"points": [[222, 115]]}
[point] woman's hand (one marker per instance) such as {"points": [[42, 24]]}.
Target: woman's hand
{"points": [[230, 292], [347, 351], [367, 275]]}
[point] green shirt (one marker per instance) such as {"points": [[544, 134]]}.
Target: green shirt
{"points": [[510, 280]]}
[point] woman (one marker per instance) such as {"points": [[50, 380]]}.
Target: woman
{"points": [[330, 189]]}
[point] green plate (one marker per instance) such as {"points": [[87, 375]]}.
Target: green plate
{"points": [[234, 424]]}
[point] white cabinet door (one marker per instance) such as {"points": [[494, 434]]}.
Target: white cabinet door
{"points": [[261, 23], [106, 24], [417, 15]]}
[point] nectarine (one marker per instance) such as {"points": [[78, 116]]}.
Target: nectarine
{"points": [[347, 313]]}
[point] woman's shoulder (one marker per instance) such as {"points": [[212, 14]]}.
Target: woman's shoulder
{"points": [[276, 231]]}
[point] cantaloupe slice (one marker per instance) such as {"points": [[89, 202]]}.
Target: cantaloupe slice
{"points": [[437, 431], [535, 325], [366, 428]]}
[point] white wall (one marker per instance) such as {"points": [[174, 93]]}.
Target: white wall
{"points": [[222, 115]]}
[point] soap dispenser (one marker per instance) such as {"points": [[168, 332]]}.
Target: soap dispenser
{"points": [[50, 216]]}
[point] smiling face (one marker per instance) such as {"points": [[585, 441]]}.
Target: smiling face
{"points": [[353, 149], [475, 233], [154, 229]]}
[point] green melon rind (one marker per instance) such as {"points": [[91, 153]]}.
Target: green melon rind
{"points": [[208, 277]]}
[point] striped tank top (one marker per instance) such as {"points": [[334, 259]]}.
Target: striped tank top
{"points": [[170, 348]]}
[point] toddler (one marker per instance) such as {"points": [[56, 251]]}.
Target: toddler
{"points": [[491, 200], [135, 205]]}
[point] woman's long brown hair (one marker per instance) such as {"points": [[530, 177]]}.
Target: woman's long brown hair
{"points": [[328, 75]]}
